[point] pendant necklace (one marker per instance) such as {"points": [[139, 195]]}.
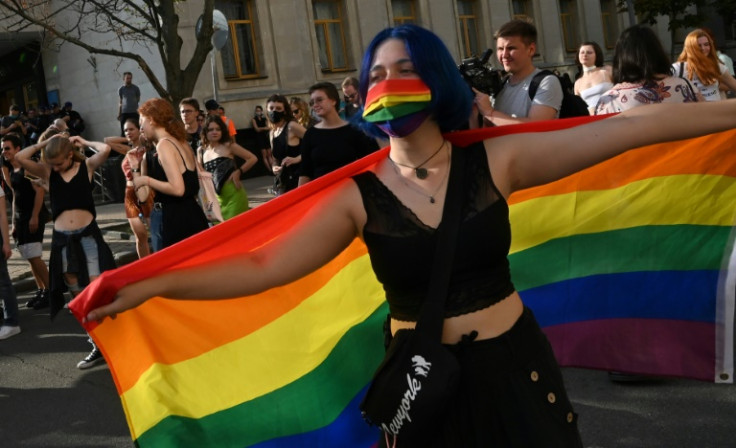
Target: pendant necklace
{"points": [[416, 188], [420, 172]]}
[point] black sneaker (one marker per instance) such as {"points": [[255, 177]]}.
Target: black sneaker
{"points": [[31, 303], [95, 357], [43, 301]]}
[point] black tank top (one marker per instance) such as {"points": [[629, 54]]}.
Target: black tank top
{"points": [[191, 181], [281, 148], [73, 195], [25, 194], [402, 247]]}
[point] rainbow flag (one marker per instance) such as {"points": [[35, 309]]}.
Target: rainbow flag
{"points": [[628, 265]]}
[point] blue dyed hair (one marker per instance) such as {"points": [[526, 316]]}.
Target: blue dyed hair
{"points": [[451, 96]]}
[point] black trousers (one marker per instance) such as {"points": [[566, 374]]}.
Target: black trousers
{"points": [[511, 395]]}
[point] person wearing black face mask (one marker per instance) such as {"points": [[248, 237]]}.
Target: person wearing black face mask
{"points": [[286, 135]]}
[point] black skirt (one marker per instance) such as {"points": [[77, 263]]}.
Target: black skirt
{"points": [[511, 395]]}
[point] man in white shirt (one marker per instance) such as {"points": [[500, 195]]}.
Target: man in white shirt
{"points": [[516, 45]]}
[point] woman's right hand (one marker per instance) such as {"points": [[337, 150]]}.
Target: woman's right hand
{"points": [[141, 181], [128, 297], [134, 163]]}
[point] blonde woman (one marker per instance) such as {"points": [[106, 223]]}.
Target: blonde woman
{"points": [[300, 110], [78, 252]]}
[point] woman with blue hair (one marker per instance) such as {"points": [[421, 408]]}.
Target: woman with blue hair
{"points": [[511, 391]]}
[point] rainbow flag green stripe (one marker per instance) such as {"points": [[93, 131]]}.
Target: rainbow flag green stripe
{"points": [[344, 373], [658, 248]]}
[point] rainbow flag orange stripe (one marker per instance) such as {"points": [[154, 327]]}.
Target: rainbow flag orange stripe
{"points": [[628, 265]]}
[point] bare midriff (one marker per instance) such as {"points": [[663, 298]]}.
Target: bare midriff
{"points": [[73, 220], [489, 322]]}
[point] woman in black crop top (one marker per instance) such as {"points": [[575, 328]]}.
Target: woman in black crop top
{"points": [[511, 391], [286, 135], [78, 252], [174, 176]]}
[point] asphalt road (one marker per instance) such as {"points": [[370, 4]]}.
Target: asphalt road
{"points": [[45, 401]]}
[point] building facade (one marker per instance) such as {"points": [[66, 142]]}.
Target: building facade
{"points": [[284, 46]]}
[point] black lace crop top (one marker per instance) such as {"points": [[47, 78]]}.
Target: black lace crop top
{"points": [[401, 247]]}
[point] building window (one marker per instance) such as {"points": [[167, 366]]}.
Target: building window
{"points": [[468, 25], [239, 55], [523, 10], [568, 19], [609, 15], [404, 11], [328, 25]]}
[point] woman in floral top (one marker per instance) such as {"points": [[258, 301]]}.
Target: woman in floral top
{"points": [[642, 73]]}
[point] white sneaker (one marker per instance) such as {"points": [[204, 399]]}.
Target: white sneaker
{"points": [[7, 331]]}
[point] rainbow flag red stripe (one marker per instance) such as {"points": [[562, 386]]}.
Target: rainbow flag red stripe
{"points": [[628, 265]]}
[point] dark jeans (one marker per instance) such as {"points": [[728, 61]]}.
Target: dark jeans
{"points": [[7, 293], [156, 224]]}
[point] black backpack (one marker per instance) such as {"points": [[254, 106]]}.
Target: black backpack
{"points": [[572, 105]]}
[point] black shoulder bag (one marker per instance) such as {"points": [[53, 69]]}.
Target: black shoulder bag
{"points": [[418, 375]]}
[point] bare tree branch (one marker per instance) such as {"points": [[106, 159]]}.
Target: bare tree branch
{"points": [[109, 27]]}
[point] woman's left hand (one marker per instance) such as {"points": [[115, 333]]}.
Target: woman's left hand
{"points": [[289, 161], [235, 177], [33, 224]]}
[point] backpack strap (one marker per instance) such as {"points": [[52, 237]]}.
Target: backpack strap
{"points": [[536, 80], [682, 68]]}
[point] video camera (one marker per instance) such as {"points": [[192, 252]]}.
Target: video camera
{"points": [[480, 76]]}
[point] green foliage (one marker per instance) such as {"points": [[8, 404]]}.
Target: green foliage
{"points": [[676, 10]]}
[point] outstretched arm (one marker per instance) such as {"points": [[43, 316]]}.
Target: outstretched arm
{"points": [[118, 144], [323, 233], [525, 160]]}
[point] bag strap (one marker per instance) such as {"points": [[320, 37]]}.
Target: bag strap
{"points": [[536, 80], [432, 315], [690, 86]]}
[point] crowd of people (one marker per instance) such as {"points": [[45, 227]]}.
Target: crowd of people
{"points": [[395, 208]]}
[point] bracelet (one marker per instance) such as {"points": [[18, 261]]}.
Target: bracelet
{"points": [[137, 170]]}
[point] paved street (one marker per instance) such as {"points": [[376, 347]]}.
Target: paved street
{"points": [[45, 401]]}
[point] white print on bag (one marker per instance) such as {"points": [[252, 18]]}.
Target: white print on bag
{"points": [[421, 368]]}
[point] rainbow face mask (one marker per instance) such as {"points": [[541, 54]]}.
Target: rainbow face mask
{"points": [[398, 106]]}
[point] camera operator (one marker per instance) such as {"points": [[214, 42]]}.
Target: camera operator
{"points": [[515, 48]]}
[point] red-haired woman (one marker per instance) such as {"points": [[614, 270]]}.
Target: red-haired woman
{"points": [[699, 63], [174, 174]]}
